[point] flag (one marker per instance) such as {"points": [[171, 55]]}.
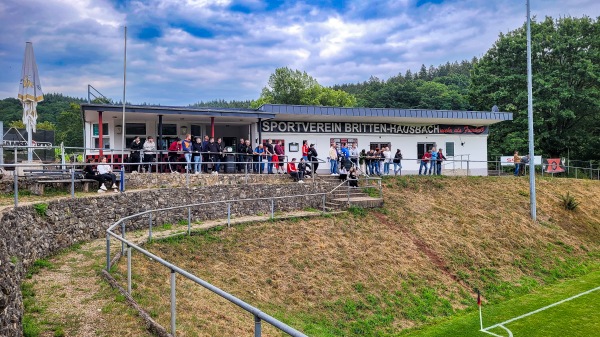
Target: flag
{"points": [[478, 298]]}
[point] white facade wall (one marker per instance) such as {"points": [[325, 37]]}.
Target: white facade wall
{"points": [[473, 148]]}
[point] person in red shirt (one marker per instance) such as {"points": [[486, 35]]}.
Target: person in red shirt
{"points": [[174, 150], [305, 149], [424, 161], [293, 171]]}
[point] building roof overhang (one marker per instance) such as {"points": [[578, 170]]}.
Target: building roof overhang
{"points": [[283, 112], [176, 112], [384, 115]]}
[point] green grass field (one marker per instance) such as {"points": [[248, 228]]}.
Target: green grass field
{"points": [[579, 317]]}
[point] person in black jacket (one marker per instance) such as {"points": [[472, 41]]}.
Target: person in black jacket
{"points": [[312, 158], [241, 154], [205, 154], [197, 155], [398, 162], [135, 147], [91, 173], [248, 156], [213, 155]]}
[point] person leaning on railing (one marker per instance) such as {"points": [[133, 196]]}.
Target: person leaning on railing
{"points": [[136, 146], [248, 156], [197, 155], [312, 158], [149, 152], [174, 148]]}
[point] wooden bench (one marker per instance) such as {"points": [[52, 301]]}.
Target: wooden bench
{"points": [[42, 178]]}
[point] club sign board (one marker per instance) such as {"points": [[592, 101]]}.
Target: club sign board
{"points": [[370, 128]]}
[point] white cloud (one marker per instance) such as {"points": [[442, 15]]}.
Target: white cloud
{"points": [[205, 51]]}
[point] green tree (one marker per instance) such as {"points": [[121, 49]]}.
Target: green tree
{"points": [[69, 128], [45, 125], [288, 86], [566, 87]]}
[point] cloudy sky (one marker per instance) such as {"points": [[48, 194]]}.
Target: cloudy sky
{"points": [[183, 51]]}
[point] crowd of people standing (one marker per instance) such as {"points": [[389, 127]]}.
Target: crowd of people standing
{"points": [[204, 155]]}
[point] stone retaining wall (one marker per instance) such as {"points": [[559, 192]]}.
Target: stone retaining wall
{"points": [[163, 180], [28, 233]]}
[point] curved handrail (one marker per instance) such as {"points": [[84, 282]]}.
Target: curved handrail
{"points": [[258, 314]]}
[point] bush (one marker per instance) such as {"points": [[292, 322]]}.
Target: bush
{"points": [[569, 202], [41, 209]]}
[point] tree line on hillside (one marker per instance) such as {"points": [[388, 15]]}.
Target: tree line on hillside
{"points": [[566, 66]]}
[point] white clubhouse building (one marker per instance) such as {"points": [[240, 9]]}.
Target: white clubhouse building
{"points": [[461, 134]]}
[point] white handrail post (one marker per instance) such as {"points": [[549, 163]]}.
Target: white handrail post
{"points": [[173, 303]]}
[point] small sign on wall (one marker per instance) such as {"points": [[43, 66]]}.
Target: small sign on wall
{"points": [[294, 147]]}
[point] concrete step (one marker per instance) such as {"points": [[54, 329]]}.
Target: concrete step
{"points": [[363, 201]]}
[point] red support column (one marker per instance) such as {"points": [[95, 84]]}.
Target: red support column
{"points": [[212, 126], [100, 133]]}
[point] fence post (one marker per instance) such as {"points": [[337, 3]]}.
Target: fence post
{"points": [[228, 215], [150, 227], [72, 182], [123, 236], [16, 187], [272, 209], [187, 177], [323, 202], [468, 162], [16, 178], [173, 306], [591, 171], [189, 221], [108, 252], [257, 327], [129, 270], [122, 176]]}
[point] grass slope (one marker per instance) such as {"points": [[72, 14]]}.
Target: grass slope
{"points": [[381, 272]]}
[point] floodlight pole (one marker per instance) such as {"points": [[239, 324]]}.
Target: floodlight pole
{"points": [[530, 119], [124, 128]]}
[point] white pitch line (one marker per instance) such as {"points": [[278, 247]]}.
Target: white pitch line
{"points": [[509, 332], [491, 333], [540, 309]]}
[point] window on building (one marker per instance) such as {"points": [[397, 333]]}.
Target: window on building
{"points": [[135, 129], [168, 129], [422, 148], [96, 130], [105, 143], [450, 149], [348, 141], [96, 136], [380, 146], [196, 130]]}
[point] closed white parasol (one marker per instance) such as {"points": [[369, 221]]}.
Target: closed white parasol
{"points": [[30, 94]]}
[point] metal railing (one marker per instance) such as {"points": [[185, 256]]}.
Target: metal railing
{"points": [[68, 164], [128, 245]]}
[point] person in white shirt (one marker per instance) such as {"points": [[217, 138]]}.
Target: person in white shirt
{"points": [[149, 151], [387, 155], [354, 155], [105, 171]]}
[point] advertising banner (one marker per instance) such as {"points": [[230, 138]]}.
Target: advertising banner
{"points": [[553, 165], [508, 160]]}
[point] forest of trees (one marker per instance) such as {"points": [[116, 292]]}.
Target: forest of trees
{"points": [[566, 66]]}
